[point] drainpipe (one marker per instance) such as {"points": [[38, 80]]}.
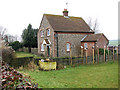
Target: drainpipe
{"points": [[56, 35]]}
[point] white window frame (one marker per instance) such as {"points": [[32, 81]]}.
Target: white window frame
{"points": [[85, 45], [48, 32], [42, 33], [68, 47], [42, 47]]}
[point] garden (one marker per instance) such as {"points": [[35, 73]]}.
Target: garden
{"points": [[104, 75]]}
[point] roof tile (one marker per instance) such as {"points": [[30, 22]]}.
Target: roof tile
{"points": [[74, 24]]}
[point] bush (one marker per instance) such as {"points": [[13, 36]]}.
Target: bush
{"points": [[32, 66], [101, 51], [16, 45], [12, 79], [8, 55]]}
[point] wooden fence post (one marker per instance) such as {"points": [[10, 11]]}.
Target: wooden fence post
{"points": [[117, 53], [108, 53], [86, 55], [113, 53], [82, 53], [93, 54], [98, 55], [71, 55], [104, 53]]}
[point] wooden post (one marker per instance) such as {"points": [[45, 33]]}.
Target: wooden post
{"points": [[117, 53], [86, 55], [93, 54], [71, 56], [104, 53], [98, 55], [113, 53], [108, 53], [82, 53]]}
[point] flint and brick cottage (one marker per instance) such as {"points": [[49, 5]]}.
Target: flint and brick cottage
{"points": [[60, 34]]}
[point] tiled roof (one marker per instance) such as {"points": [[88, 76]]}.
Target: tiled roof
{"points": [[93, 37], [67, 24]]}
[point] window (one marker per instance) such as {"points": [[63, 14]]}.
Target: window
{"points": [[68, 46], [48, 32], [85, 45], [42, 33], [42, 47]]}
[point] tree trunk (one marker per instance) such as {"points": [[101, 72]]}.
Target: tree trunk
{"points": [[29, 49]]}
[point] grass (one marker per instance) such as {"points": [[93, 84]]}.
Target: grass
{"points": [[23, 54], [103, 75]]}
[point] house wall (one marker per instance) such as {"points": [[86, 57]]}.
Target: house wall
{"points": [[89, 50], [73, 39], [102, 42], [44, 26]]}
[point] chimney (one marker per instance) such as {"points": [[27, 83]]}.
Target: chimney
{"points": [[65, 12]]}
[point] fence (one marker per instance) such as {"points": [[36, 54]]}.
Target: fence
{"points": [[33, 50], [74, 61], [63, 62]]}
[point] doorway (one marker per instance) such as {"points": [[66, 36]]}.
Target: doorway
{"points": [[48, 51]]}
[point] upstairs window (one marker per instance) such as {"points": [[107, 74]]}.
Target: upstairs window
{"points": [[68, 46], [42, 33], [42, 47], [48, 32]]}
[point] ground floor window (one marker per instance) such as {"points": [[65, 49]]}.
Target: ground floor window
{"points": [[68, 46], [42, 47], [85, 45]]}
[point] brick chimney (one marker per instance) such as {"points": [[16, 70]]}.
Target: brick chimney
{"points": [[65, 12]]}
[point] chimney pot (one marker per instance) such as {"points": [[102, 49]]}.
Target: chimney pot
{"points": [[65, 12]]}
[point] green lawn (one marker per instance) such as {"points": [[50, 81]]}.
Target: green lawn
{"points": [[23, 54], [103, 75]]}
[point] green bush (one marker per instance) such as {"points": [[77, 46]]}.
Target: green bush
{"points": [[16, 45], [101, 51]]}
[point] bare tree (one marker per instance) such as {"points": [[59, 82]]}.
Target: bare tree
{"points": [[3, 32], [3, 35], [94, 25]]}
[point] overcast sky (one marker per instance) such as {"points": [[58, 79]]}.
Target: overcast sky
{"points": [[15, 15]]}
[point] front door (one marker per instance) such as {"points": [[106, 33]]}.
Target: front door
{"points": [[48, 50]]}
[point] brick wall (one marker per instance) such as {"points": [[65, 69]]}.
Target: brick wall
{"points": [[33, 50], [102, 42], [44, 25], [73, 39], [89, 50]]}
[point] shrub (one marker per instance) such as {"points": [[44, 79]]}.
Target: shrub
{"points": [[32, 66], [8, 55], [16, 45], [12, 79], [101, 51]]}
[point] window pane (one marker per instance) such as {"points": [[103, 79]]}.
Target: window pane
{"points": [[42, 47], [85, 45], [68, 47], [48, 32], [42, 33]]}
